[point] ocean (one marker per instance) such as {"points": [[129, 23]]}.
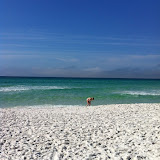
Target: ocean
{"points": [[59, 92]]}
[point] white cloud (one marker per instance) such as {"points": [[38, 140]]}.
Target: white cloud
{"points": [[151, 56], [94, 69], [67, 59], [63, 72], [80, 39]]}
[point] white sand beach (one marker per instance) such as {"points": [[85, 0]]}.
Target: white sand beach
{"points": [[116, 132]]}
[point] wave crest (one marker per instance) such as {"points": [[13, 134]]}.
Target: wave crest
{"points": [[142, 93], [26, 88]]}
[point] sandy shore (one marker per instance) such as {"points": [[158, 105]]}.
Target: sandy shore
{"points": [[116, 132]]}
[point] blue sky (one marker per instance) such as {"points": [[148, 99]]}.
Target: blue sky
{"points": [[80, 38]]}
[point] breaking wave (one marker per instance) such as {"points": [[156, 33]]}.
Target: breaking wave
{"points": [[26, 88], [142, 93]]}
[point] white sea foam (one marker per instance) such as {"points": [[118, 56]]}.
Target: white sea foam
{"points": [[25, 88], [49, 106], [143, 93]]}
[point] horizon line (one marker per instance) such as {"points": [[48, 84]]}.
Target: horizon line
{"points": [[78, 77]]}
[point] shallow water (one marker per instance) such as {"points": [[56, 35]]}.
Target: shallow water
{"points": [[74, 91]]}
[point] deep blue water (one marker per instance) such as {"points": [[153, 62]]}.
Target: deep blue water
{"points": [[74, 91]]}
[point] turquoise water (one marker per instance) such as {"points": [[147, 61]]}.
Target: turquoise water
{"points": [[74, 91]]}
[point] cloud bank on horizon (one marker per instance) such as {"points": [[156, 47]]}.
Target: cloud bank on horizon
{"points": [[80, 39]]}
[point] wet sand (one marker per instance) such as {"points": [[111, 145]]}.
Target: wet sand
{"points": [[116, 132]]}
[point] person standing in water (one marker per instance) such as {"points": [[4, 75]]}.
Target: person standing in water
{"points": [[89, 100]]}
